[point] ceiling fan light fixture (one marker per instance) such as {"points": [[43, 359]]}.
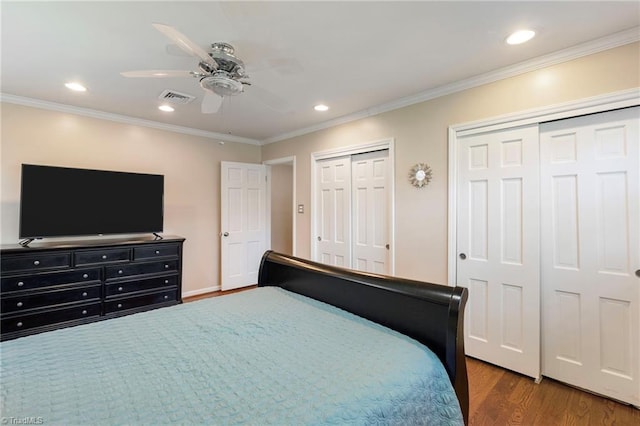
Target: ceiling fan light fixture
{"points": [[76, 87], [520, 37], [166, 108], [321, 108], [222, 85]]}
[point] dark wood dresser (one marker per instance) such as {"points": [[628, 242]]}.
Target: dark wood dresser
{"points": [[55, 285]]}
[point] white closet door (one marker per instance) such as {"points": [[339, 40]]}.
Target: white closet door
{"points": [[333, 224], [498, 246], [370, 211], [590, 222], [243, 223]]}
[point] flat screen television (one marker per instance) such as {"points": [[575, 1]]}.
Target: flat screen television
{"points": [[65, 202]]}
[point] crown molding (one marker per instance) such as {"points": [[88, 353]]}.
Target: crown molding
{"points": [[621, 38], [598, 45], [87, 112]]}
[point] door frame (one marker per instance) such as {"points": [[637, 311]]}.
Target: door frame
{"points": [[284, 160], [591, 105], [378, 145]]}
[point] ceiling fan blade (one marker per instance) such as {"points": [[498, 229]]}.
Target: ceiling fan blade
{"points": [[157, 73], [185, 44], [211, 103], [174, 50]]}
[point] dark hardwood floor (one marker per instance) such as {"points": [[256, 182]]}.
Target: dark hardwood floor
{"points": [[501, 397]]}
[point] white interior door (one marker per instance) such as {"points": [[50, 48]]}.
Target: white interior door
{"points": [[333, 207], [590, 188], [370, 211], [243, 223], [498, 246]]}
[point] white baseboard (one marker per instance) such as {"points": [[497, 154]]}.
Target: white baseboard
{"points": [[201, 291]]}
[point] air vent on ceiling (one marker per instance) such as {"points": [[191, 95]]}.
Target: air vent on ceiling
{"points": [[176, 97]]}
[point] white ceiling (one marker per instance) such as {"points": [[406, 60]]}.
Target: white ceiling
{"points": [[353, 56]]}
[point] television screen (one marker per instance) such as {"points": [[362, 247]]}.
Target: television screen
{"points": [[63, 202]]}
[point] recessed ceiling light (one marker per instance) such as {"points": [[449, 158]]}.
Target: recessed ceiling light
{"points": [[321, 107], [520, 36], [166, 108], [76, 87]]}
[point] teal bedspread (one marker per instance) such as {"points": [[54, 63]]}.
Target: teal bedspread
{"points": [[263, 356]]}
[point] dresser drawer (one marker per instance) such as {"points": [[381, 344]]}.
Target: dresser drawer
{"points": [[124, 287], [49, 298], [35, 262], [57, 285], [138, 301], [114, 272], [44, 280], [90, 257], [23, 322], [155, 251]]}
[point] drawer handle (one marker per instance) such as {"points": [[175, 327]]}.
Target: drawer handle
{"points": [[19, 324], [119, 305], [19, 304], [120, 289], [84, 312], [166, 266], [84, 294], [120, 271], [36, 262], [20, 283], [104, 256], [157, 251], [85, 275], [166, 297], [166, 281]]}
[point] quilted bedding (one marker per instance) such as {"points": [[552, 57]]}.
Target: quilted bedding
{"points": [[263, 356]]}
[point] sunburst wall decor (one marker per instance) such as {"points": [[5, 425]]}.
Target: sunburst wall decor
{"points": [[420, 175]]}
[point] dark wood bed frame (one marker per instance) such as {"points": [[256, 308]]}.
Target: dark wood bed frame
{"points": [[429, 313]]}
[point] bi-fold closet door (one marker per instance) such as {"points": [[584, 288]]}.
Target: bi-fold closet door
{"points": [[590, 240], [498, 252], [548, 239], [352, 211]]}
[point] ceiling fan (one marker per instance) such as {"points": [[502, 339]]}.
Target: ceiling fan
{"points": [[220, 72]]}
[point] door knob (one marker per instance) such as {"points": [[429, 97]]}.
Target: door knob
{"points": [[226, 234], [638, 273], [319, 239], [463, 256]]}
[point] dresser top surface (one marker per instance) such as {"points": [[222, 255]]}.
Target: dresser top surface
{"points": [[37, 246]]}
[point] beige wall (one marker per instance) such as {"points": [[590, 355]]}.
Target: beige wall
{"points": [[420, 133], [282, 208], [190, 164]]}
